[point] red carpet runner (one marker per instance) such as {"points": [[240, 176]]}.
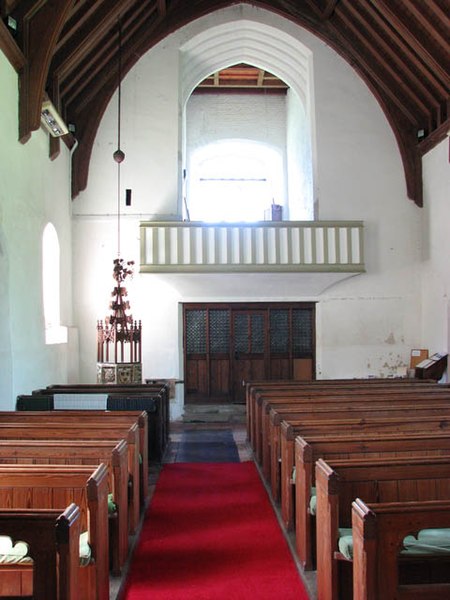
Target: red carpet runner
{"points": [[211, 534]]}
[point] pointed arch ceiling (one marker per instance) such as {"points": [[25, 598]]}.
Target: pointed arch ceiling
{"points": [[69, 50], [249, 42]]}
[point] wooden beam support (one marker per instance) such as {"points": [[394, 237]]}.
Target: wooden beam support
{"points": [[434, 67], [162, 8], [41, 29], [328, 9], [10, 49]]}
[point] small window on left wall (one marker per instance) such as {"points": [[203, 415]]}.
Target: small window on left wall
{"points": [[55, 333]]}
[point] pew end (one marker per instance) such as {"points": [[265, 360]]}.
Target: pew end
{"points": [[378, 533]]}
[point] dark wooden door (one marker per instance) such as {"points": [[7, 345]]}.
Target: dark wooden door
{"points": [[228, 344], [249, 335]]}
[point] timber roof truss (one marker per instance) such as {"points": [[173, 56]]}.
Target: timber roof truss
{"points": [[68, 50]]}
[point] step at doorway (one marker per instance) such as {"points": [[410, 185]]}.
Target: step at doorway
{"points": [[214, 413]]}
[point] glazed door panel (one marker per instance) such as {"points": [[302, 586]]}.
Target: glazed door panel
{"points": [[249, 349], [228, 344]]}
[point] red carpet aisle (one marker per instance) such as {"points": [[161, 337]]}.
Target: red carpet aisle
{"points": [[211, 534]]}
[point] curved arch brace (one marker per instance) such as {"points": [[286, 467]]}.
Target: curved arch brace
{"points": [[41, 30], [90, 116]]}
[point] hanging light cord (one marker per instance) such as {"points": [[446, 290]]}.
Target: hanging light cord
{"points": [[119, 155]]}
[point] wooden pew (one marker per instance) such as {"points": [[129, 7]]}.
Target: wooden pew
{"points": [[86, 452], [96, 417], [53, 486], [351, 406], [348, 445], [52, 537], [378, 533], [89, 431], [360, 392], [151, 397], [255, 387], [339, 482], [290, 430], [292, 390]]}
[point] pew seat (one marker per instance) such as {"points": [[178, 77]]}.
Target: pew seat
{"points": [[338, 483], [51, 538], [76, 430], [85, 452], [54, 487], [383, 548], [350, 445]]}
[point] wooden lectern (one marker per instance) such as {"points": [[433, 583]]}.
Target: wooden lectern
{"points": [[433, 367]]}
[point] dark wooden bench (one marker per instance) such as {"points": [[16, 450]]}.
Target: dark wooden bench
{"points": [[151, 397], [53, 486], [339, 395], [52, 537], [290, 430], [340, 482], [256, 387], [96, 417], [378, 532], [86, 452], [255, 393], [348, 445], [349, 406], [87, 431]]}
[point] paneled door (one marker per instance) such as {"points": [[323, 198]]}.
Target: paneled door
{"points": [[249, 338], [227, 344]]}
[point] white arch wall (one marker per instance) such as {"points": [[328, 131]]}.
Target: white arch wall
{"points": [[250, 42], [366, 325], [274, 50], [33, 191]]}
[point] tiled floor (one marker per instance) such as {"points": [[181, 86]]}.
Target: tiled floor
{"points": [[179, 432]]}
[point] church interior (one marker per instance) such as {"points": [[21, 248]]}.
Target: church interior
{"points": [[196, 196]]}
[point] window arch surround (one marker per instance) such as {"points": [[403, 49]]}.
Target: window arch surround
{"points": [[263, 46], [51, 288]]}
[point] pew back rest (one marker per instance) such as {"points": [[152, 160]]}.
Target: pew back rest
{"points": [[408, 479], [70, 452], [378, 533], [409, 422]]}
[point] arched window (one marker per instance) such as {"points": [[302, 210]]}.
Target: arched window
{"points": [[54, 332], [234, 180]]}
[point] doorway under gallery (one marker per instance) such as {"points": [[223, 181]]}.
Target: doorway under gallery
{"points": [[227, 344]]}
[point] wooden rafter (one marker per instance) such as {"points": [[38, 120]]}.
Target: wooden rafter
{"points": [[162, 8], [69, 49], [10, 49], [41, 27], [402, 29]]}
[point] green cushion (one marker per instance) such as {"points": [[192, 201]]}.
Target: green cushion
{"points": [[85, 549], [345, 542], [18, 553], [439, 537], [313, 502], [112, 506], [13, 554], [429, 542]]}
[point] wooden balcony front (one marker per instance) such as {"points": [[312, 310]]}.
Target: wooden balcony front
{"points": [[263, 247]]}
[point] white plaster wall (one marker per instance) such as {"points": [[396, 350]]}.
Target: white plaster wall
{"points": [[299, 161], [149, 138], [366, 325], [33, 191], [216, 117], [260, 118], [436, 250]]}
